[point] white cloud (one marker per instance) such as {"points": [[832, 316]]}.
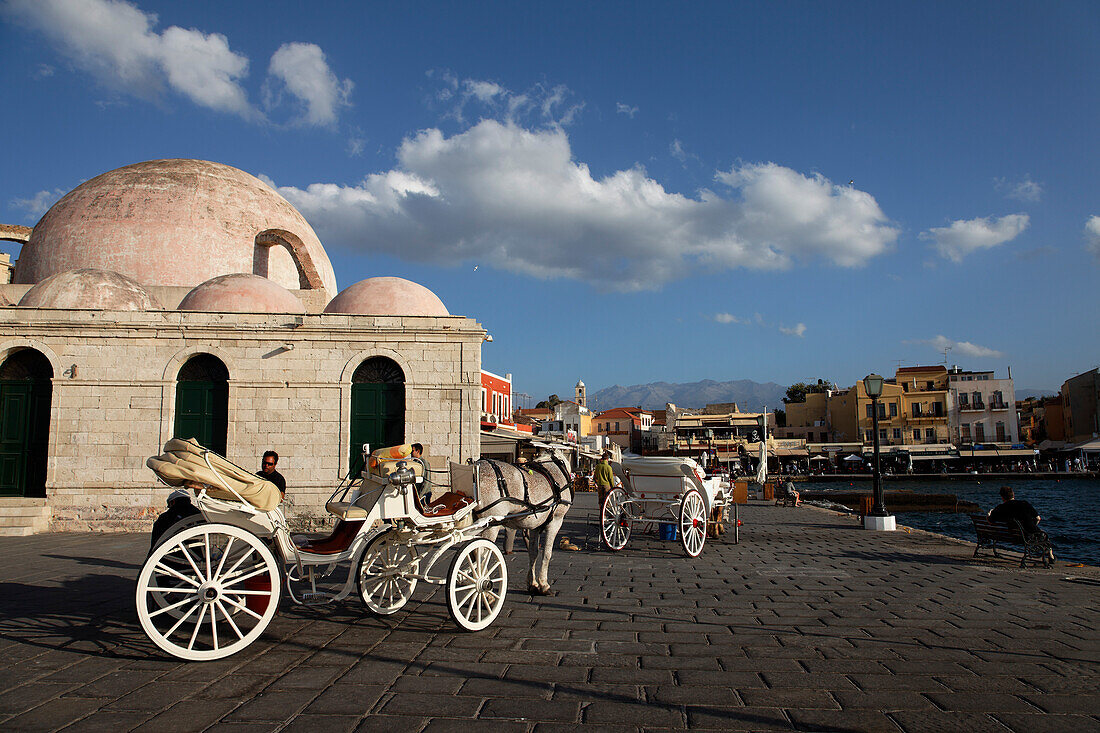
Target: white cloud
{"points": [[538, 105], [965, 348], [729, 318], [625, 109], [304, 72], [114, 41], [515, 198], [965, 236], [39, 203], [1024, 190], [43, 71], [799, 330], [1092, 235], [676, 150]]}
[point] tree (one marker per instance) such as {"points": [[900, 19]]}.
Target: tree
{"points": [[797, 392], [550, 403], [781, 418]]}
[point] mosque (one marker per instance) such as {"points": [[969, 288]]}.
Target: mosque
{"points": [[185, 298]]}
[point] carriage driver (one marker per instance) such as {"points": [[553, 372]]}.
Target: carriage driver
{"points": [[604, 476]]}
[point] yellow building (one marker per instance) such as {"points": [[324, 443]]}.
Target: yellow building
{"points": [[912, 409]]}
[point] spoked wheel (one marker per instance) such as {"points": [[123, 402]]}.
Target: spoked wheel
{"points": [[693, 522], [476, 584], [208, 592], [387, 574], [615, 520]]}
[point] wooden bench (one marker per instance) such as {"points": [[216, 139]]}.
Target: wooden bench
{"points": [[1036, 547]]}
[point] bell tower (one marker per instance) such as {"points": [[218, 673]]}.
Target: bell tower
{"points": [[581, 397]]}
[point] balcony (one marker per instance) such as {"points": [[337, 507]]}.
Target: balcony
{"points": [[998, 406], [972, 407]]}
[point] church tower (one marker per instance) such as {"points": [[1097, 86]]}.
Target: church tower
{"points": [[581, 398]]}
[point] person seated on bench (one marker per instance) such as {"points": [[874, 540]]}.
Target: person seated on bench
{"points": [[1023, 512], [788, 493]]}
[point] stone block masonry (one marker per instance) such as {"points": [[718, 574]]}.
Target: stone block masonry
{"points": [[113, 399]]}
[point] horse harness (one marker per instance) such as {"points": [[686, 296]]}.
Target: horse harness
{"points": [[544, 506]]}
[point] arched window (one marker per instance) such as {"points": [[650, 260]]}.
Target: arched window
{"points": [[25, 393], [377, 408], [202, 402]]}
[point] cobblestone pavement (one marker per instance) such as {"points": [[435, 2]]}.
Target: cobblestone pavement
{"points": [[808, 623]]}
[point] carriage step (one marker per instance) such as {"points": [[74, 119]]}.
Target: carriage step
{"points": [[316, 599]]}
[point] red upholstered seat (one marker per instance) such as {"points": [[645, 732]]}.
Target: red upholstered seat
{"points": [[446, 505], [342, 535]]}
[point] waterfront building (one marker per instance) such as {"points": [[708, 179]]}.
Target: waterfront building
{"points": [[627, 427], [981, 408], [496, 398], [1080, 397], [184, 298], [726, 436]]}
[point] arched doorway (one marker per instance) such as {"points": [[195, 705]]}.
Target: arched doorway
{"points": [[202, 402], [25, 394], [377, 407]]}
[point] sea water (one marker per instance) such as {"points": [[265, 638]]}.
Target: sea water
{"points": [[1070, 508]]}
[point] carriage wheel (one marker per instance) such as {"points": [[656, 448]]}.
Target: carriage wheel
{"points": [[476, 584], [615, 520], [165, 599], [208, 592], [693, 522], [387, 574]]}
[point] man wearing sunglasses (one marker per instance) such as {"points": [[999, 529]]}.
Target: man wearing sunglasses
{"points": [[267, 470]]}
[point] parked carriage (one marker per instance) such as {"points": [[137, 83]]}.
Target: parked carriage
{"points": [[213, 583], [665, 491]]}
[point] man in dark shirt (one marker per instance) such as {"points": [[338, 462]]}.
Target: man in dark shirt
{"points": [[1012, 508], [267, 471]]}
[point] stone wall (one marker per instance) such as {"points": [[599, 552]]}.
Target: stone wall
{"points": [[114, 396]]}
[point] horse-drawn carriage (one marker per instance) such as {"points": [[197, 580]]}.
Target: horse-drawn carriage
{"points": [[664, 491], [212, 584]]}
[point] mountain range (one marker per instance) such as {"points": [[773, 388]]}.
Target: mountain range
{"points": [[750, 396]]}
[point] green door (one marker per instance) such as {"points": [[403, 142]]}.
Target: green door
{"points": [[202, 402], [25, 393], [377, 408], [202, 412]]}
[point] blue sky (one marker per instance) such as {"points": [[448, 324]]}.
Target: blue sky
{"points": [[627, 192]]}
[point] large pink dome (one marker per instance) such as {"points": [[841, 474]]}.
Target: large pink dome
{"points": [[176, 223], [387, 296], [87, 288], [241, 293]]}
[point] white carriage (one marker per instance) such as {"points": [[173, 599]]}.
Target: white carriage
{"points": [[213, 583], [664, 491]]}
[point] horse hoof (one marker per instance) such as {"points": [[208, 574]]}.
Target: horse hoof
{"points": [[536, 591], [509, 552]]}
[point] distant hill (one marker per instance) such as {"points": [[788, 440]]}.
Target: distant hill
{"points": [[1025, 394], [750, 396]]}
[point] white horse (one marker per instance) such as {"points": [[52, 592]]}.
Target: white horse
{"points": [[540, 494]]}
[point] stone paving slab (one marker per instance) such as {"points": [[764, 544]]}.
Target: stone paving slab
{"points": [[808, 623]]}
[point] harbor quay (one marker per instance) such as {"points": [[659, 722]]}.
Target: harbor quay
{"points": [[806, 622]]}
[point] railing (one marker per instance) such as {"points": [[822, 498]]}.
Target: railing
{"points": [[998, 405], [972, 406]]}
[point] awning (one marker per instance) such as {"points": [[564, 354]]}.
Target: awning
{"points": [[1093, 446], [1003, 453], [788, 452], [934, 457]]}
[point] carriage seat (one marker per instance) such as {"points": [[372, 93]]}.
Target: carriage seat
{"points": [[446, 505], [346, 510], [340, 539]]}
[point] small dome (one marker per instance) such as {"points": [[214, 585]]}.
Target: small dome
{"points": [[387, 296], [580, 383], [241, 293], [96, 289]]}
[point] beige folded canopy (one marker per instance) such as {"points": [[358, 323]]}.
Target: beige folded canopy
{"points": [[185, 461]]}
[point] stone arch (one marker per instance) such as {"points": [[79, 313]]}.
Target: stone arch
{"points": [[308, 276], [378, 407], [8, 348], [359, 358], [172, 368], [15, 233]]}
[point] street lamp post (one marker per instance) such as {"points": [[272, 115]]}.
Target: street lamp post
{"points": [[878, 518]]}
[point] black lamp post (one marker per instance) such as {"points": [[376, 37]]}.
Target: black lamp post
{"points": [[872, 383]]}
